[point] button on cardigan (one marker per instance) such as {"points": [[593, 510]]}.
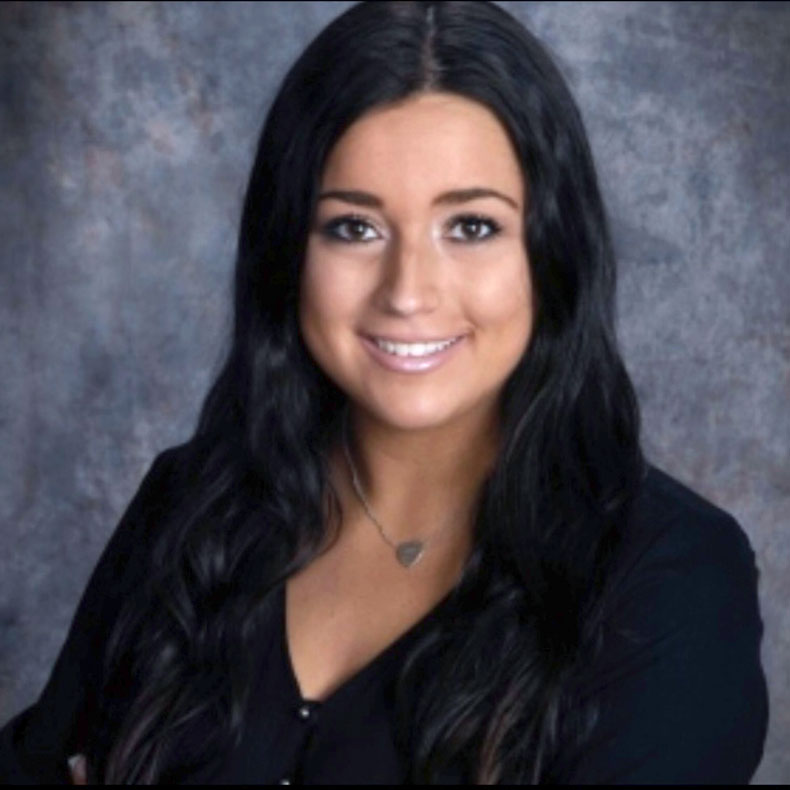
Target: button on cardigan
{"points": [[681, 691], [346, 738]]}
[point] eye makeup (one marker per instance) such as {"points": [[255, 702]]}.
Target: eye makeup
{"points": [[356, 228], [478, 221], [334, 229]]}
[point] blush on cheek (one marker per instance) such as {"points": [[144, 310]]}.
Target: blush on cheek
{"points": [[503, 300], [332, 285], [516, 317]]}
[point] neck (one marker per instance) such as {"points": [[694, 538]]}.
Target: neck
{"points": [[417, 481]]}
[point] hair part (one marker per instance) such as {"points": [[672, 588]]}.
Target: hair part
{"points": [[250, 501]]}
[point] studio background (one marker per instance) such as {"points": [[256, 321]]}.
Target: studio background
{"points": [[126, 135]]}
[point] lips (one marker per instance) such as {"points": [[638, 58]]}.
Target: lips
{"points": [[413, 364]]}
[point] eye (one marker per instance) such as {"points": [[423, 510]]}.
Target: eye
{"points": [[350, 228], [474, 227]]}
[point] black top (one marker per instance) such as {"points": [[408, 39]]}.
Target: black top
{"points": [[682, 692]]}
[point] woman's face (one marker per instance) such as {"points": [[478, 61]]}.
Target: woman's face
{"points": [[417, 238]]}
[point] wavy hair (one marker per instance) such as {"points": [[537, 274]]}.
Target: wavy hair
{"points": [[249, 503]]}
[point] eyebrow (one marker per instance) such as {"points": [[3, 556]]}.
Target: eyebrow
{"points": [[454, 196]]}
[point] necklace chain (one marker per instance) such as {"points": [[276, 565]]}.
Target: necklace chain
{"points": [[407, 552]]}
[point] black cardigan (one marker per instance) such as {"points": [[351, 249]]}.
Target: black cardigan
{"points": [[681, 689]]}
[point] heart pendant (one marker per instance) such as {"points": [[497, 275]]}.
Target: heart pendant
{"points": [[408, 553]]}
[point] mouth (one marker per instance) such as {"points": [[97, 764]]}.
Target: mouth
{"points": [[415, 348], [412, 357]]}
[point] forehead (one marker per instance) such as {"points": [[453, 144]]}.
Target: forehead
{"points": [[425, 144]]}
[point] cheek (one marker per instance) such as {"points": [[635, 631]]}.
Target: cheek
{"points": [[502, 304], [329, 297]]}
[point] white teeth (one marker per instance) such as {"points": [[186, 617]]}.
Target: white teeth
{"points": [[413, 349]]}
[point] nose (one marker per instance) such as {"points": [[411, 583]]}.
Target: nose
{"points": [[410, 277]]}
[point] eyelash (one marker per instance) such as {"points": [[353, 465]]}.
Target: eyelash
{"points": [[330, 229]]}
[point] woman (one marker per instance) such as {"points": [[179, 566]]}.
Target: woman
{"points": [[414, 538]]}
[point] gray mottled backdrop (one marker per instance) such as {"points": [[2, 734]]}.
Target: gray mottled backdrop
{"points": [[126, 132]]}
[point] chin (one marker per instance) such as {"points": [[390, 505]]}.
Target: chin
{"points": [[409, 417]]}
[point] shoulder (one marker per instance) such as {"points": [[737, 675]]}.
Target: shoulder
{"points": [[173, 460], [171, 471], [672, 528], [677, 672], [683, 563], [685, 569], [35, 744], [156, 494]]}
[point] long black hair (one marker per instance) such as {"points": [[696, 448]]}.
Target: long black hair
{"points": [[250, 502]]}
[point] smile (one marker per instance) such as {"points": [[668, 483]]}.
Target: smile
{"points": [[414, 349], [412, 357]]}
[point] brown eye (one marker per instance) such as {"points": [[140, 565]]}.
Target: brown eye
{"points": [[473, 227], [350, 229]]}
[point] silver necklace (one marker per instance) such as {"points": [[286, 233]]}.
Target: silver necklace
{"points": [[409, 552]]}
